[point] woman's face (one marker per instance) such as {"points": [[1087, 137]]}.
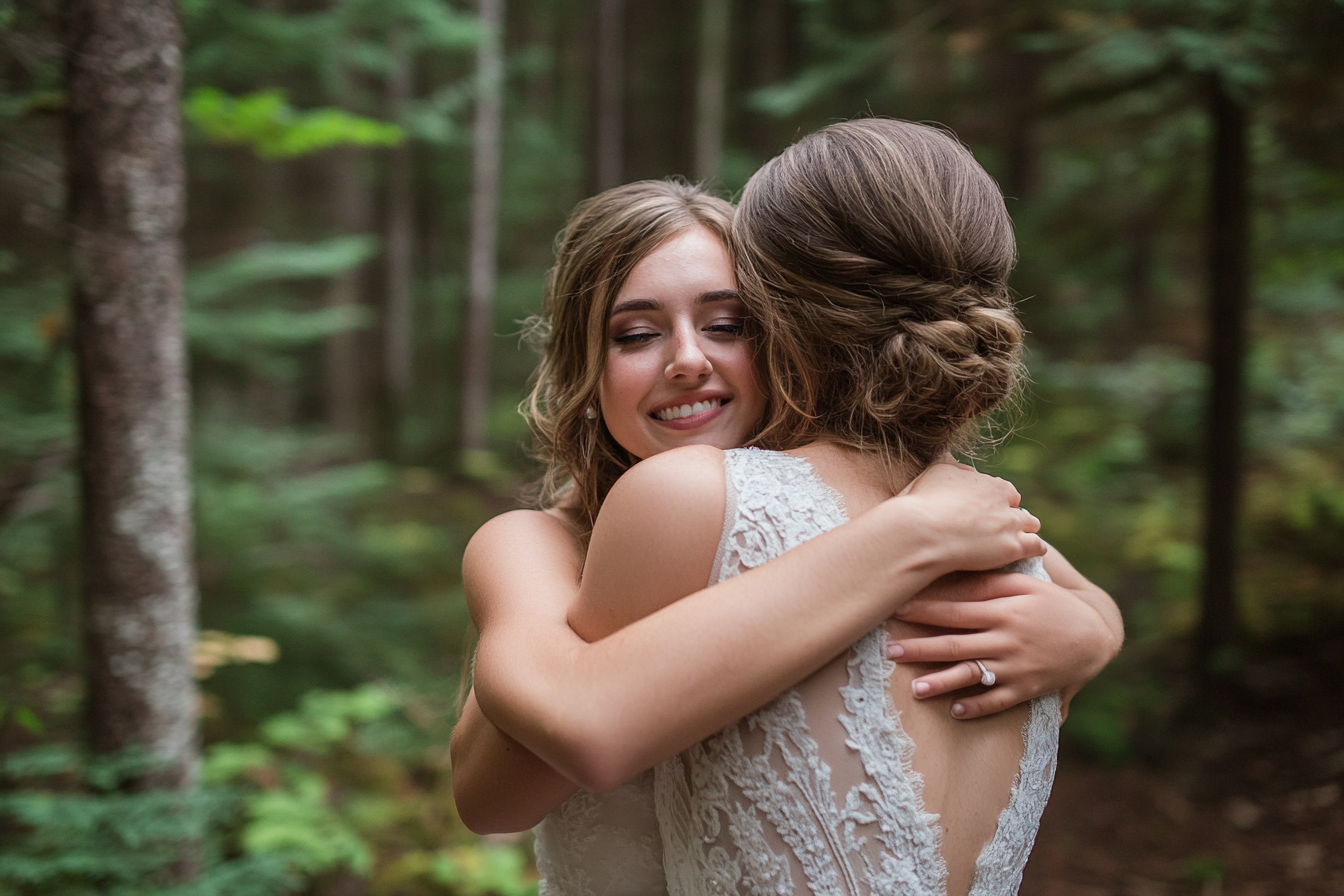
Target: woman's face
{"points": [[679, 370]]}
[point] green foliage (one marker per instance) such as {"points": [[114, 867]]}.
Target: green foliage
{"points": [[1204, 869], [333, 785], [340, 783], [72, 832], [483, 868], [273, 129]]}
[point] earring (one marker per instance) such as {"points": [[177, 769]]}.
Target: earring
{"points": [[590, 413]]}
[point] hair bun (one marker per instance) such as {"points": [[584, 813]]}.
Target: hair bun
{"points": [[875, 255]]}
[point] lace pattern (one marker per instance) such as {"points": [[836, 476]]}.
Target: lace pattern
{"points": [[602, 844], [757, 808]]}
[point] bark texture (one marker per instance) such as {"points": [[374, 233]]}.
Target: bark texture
{"points": [[126, 206], [610, 136], [1229, 291], [484, 227], [711, 88], [399, 313]]}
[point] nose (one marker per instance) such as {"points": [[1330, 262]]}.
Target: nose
{"points": [[689, 360]]}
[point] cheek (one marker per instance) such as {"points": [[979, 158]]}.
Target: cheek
{"points": [[621, 390]]}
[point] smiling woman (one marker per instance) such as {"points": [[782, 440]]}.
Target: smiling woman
{"points": [[643, 320], [679, 369]]}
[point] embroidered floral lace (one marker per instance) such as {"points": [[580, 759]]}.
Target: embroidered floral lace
{"points": [[775, 805], [602, 844]]}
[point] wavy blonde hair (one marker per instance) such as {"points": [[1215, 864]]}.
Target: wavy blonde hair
{"points": [[874, 256], [603, 240]]}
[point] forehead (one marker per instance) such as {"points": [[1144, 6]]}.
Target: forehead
{"points": [[691, 259]]}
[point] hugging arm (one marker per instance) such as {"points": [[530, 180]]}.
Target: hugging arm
{"points": [[1037, 636], [599, 713]]}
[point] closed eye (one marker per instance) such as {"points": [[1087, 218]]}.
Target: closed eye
{"points": [[634, 338]]}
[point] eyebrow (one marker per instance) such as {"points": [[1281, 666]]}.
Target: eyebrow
{"points": [[717, 295]]}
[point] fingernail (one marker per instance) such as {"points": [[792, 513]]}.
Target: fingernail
{"points": [[895, 651], [922, 688], [958, 710]]}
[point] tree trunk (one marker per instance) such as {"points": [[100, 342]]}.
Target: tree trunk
{"points": [[769, 64], [711, 88], [484, 229], [1229, 244], [397, 317], [126, 206], [610, 143], [343, 378]]}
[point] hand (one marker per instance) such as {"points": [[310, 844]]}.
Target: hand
{"points": [[976, 519], [1035, 636]]}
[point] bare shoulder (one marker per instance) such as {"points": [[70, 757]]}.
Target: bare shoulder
{"points": [[654, 541], [518, 555], [683, 479]]}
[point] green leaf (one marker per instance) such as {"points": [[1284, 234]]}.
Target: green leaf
{"points": [[273, 129], [28, 720], [269, 262]]}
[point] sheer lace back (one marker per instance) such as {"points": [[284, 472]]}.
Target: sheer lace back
{"points": [[815, 792], [602, 844]]}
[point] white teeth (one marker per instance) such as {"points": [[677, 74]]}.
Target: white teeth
{"points": [[687, 410]]}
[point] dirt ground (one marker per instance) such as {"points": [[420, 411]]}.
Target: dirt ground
{"points": [[1245, 802]]}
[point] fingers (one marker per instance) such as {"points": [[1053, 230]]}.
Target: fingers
{"points": [[986, 704], [947, 648], [964, 675], [980, 586], [953, 678]]}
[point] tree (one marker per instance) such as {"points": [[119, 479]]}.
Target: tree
{"points": [[1229, 293], [484, 227], [711, 88], [126, 207], [399, 310], [610, 67]]}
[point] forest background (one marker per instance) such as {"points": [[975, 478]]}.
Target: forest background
{"points": [[351, 429]]}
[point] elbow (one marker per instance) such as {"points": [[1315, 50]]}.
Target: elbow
{"points": [[474, 813], [483, 814], [598, 756]]}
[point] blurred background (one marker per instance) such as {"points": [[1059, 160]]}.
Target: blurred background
{"points": [[351, 428]]}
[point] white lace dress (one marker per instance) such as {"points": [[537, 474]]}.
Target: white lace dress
{"points": [[763, 816], [603, 844], [772, 805]]}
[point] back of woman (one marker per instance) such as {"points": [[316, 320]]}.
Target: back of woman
{"points": [[846, 784], [874, 256]]}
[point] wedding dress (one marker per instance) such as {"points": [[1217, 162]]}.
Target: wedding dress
{"points": [[754, 810], [602, 844], [789, 802]]}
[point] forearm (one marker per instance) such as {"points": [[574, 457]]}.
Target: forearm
{"points": [[1063, 573], [498, 784], [602, 712]]}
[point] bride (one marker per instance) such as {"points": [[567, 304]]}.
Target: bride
{"points": [[875, 256], [601, 712]]}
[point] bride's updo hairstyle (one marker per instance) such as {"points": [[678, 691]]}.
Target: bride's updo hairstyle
{"points": [[603, 240], [873, 256]]}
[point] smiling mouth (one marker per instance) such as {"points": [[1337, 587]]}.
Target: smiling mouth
{"points": [[688, 410]]}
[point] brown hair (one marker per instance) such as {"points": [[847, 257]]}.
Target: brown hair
{"points": [[874, 256], [603, 240]]}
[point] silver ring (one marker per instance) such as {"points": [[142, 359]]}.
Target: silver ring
{"points": [[987, 678]]}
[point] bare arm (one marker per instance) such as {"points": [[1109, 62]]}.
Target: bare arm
{"points": [[498, 784], [585, 709], [711, 655]]}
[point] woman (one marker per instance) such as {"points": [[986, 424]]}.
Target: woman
{"points": [[584, 709], [875, 256]]}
